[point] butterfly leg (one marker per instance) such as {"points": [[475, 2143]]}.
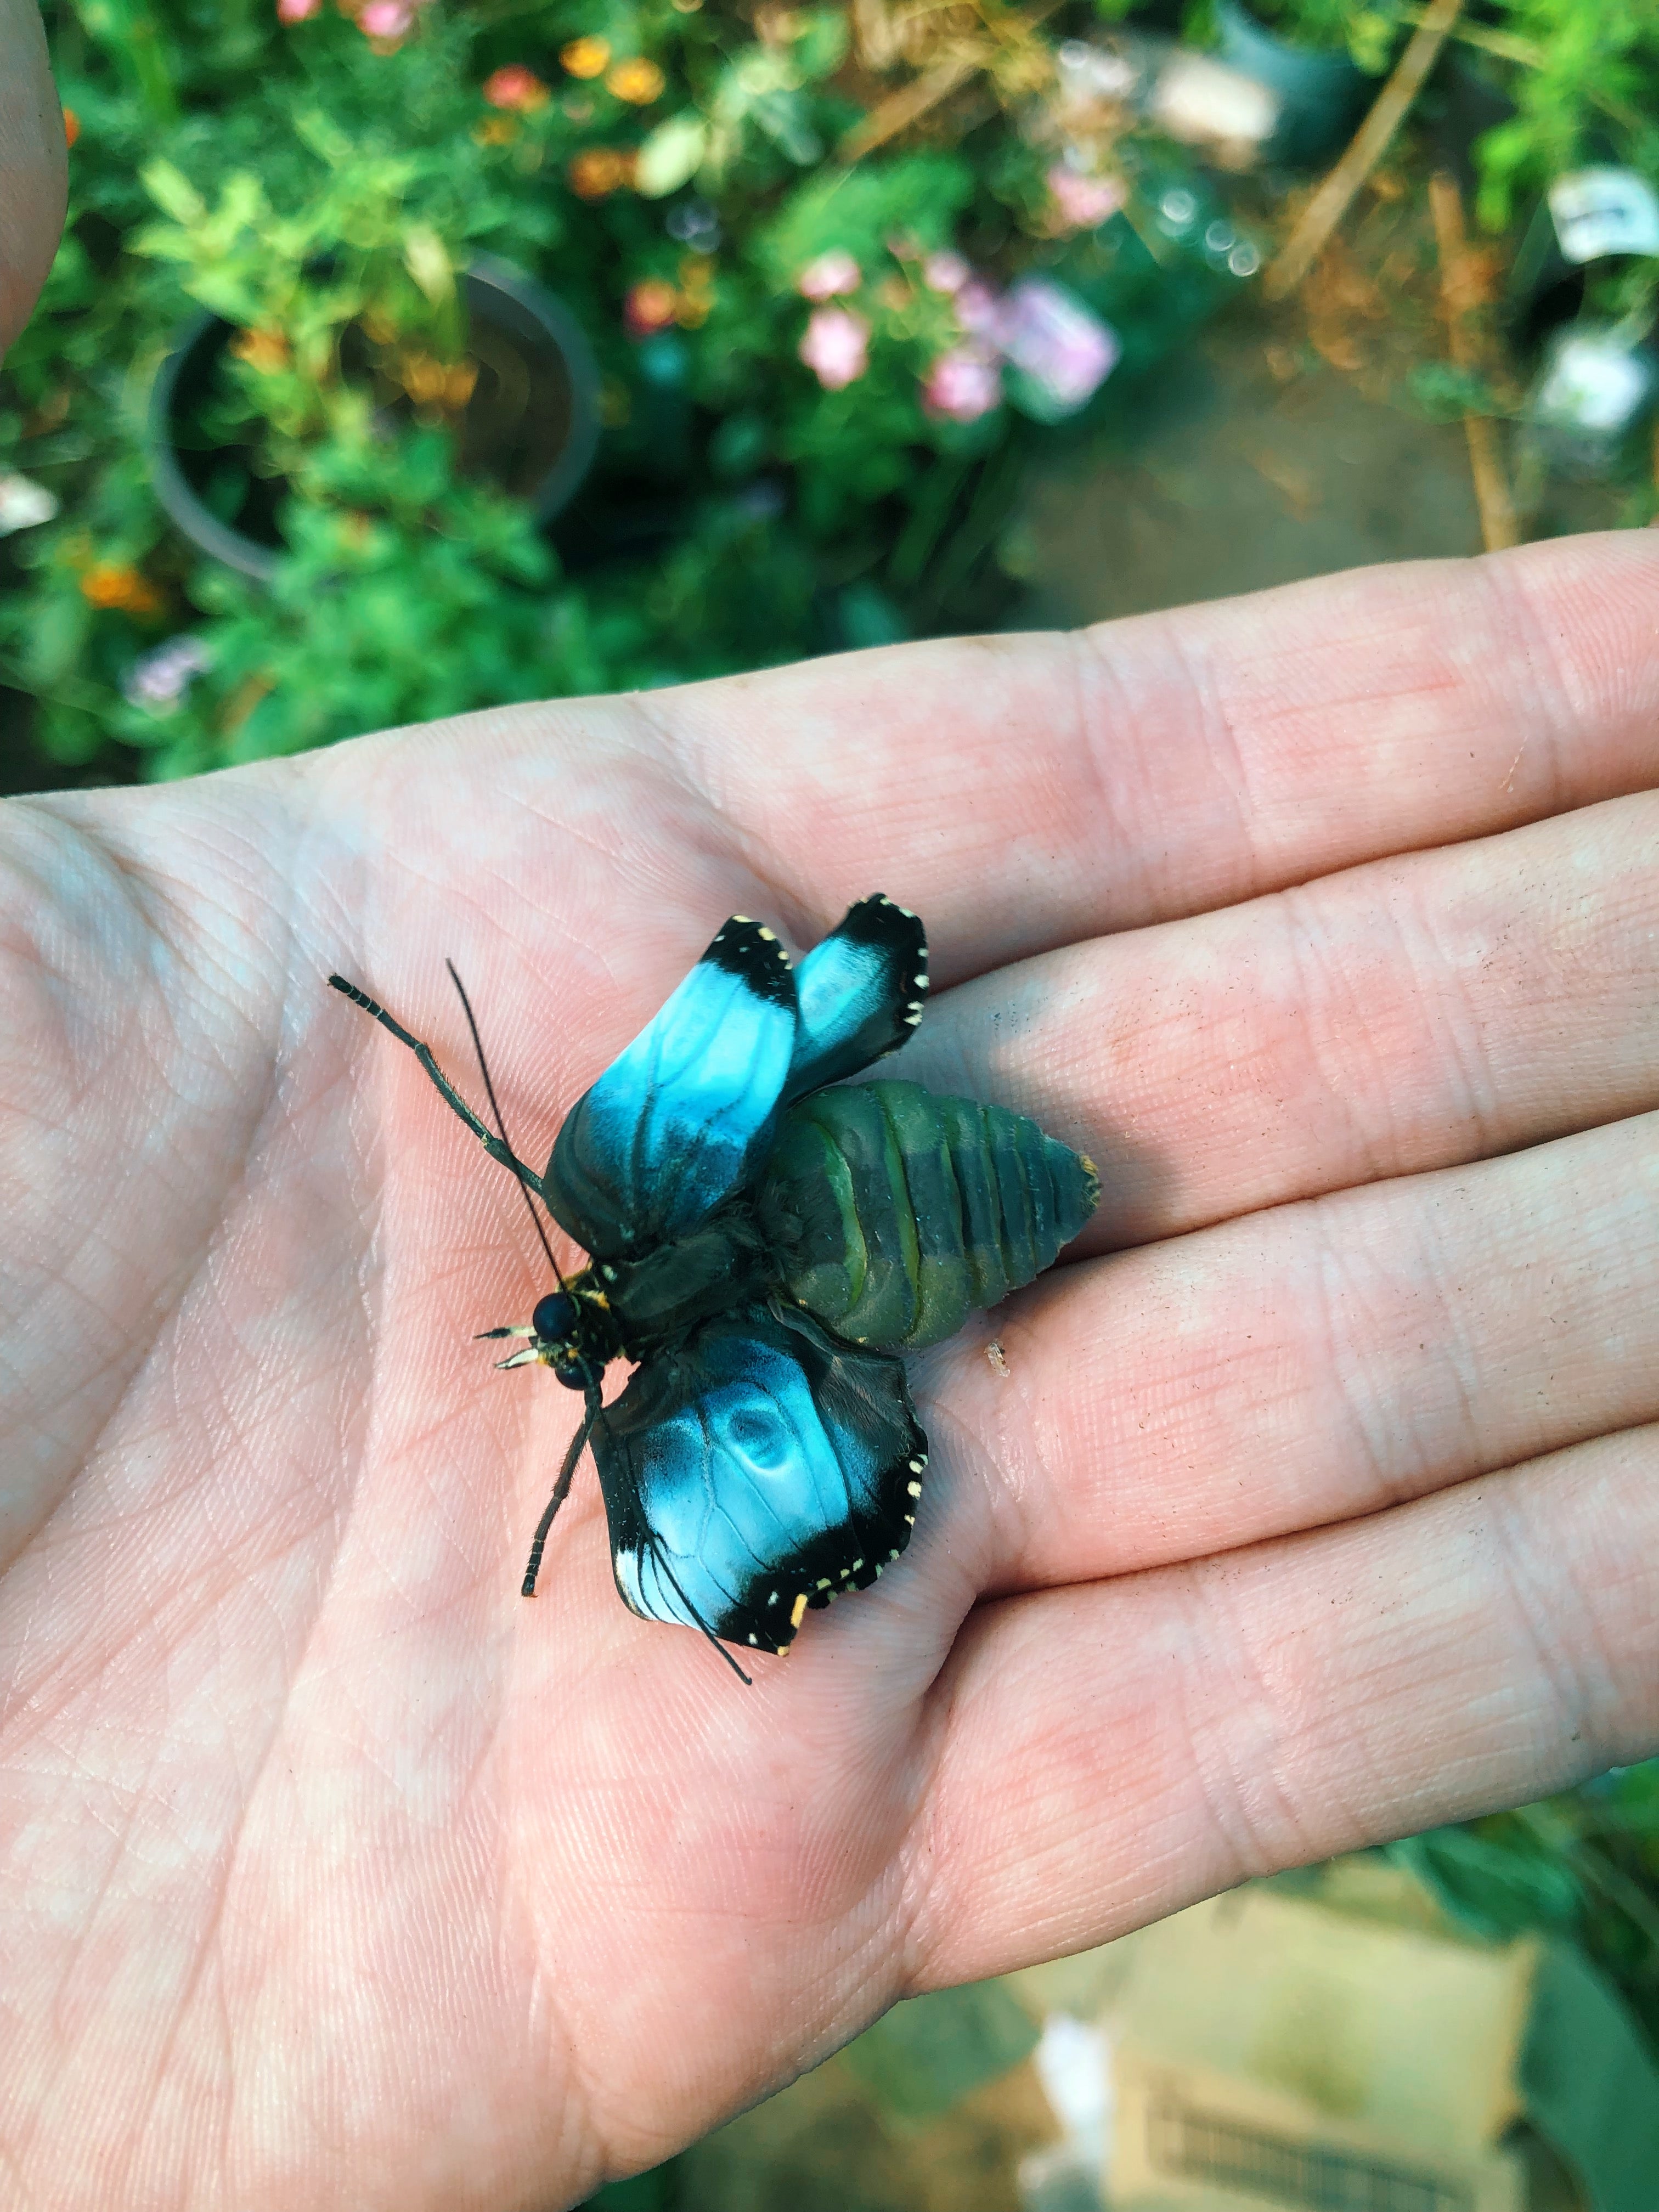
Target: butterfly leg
{"points": [[561, 1490], [494, 1145]]}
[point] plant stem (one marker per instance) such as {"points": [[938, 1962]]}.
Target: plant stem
{"points": [[1492, 487], [1326, 209]]}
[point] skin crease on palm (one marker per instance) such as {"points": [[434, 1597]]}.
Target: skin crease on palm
{"points": [[1316, 1503]]}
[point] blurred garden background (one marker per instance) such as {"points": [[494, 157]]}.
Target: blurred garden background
{"points": [[408, 356]]}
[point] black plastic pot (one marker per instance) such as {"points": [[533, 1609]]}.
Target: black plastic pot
{"points": [[1593, 220], [1321, 95], [530, 427]]}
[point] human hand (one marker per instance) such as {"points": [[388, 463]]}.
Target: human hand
{"points": [[1315, 1504]]}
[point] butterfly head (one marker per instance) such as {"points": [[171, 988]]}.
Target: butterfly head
{"points": [[557, 1342], [562, 1336]]}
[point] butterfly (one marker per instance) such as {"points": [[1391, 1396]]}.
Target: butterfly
{"points": [[765, 1241]]}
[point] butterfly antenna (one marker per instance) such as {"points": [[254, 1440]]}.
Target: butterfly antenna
{"points": [[500, 1124], [697, 1620]]}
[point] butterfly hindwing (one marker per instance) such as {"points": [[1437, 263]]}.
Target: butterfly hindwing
{"points": [[861, 991], [757, 1469], [679, 1120]]}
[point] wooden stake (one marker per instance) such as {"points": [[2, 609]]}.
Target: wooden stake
{"points": [[1491, 487], [909, 104], [1326, 209]]}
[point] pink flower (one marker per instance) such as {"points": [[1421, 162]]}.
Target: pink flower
{"points": [[1065, 349], [963, 384], [836, 347], [829, 274], [1082, 202], [385, 19], [297, 11], [946, 272]]}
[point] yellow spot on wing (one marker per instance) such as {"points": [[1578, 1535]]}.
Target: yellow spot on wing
{"points": [[798, 1610]]}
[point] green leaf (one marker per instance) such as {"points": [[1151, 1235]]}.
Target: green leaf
{"points": [[645, 2192], [820, 41], [670, 156], [173, 193], [427, 260], [930, 2053], [1592, 2088]]}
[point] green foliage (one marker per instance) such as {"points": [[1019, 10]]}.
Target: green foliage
{"points": [[927, 2055], [321, 192], [655, 2192], [917, 198], [1368, 31], [1447, 393], [1583, 1867], [1584, 76]]}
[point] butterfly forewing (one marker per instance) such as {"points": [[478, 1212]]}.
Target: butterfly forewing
{"points": [[680, 1120], [757, 1469]]}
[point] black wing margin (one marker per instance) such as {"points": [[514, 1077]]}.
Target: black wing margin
{"points": [[861, 991], [759, 1470]]}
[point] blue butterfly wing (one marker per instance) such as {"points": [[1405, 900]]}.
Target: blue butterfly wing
{"points": [[759, 1469], [861, 993], [683, 1117]]}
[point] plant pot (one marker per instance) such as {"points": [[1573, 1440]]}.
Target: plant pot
{"points": [[1591, 219], [1321, 95], [531, 425]]}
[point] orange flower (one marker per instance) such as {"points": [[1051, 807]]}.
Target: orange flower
{"points": [[651, 306], [117, 586], [599, 171], [515, 86], [432, 383], [585, 57], [638, 81], [71, 126]]}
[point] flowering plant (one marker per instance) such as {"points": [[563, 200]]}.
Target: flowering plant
{"points": [[837, 268]]}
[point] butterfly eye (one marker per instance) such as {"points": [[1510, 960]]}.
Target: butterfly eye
{"points": [[573, 1373], [555, 1318]]}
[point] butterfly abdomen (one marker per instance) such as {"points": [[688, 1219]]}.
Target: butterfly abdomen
{"points": [[892, 1213]]}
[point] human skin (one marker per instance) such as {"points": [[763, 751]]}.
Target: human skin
{"points": [[31, 166], [1312, 1502]]}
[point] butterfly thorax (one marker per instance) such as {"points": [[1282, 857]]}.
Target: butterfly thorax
{"points": [[630, 1308]]}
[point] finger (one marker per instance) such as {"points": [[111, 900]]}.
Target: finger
{"points": [[1105, 1755], [1393, 1018], [1023, 791], [1310, 1365], [32, 164]]}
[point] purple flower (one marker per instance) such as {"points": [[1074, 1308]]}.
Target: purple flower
{"points": [[1047, 333], [160, 679], [963, 384], [979, 310], [830, 274], [836, 347]]}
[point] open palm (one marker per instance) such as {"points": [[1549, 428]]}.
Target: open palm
{"points": [[1311, 1503]]}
